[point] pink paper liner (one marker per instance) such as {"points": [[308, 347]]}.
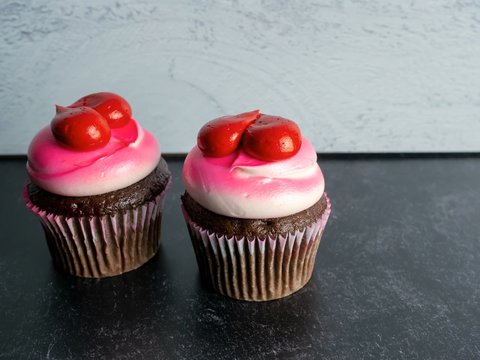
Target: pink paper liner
{"points": [[257, 269], [102, 246]]}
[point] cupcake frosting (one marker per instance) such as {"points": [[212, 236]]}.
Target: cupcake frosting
{"points": [[239, 185], [130, 155]]}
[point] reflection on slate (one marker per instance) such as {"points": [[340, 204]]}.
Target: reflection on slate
{"points": [[397, 276]]}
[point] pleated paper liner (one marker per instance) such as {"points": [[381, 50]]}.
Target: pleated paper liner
{"points": [[257, 269], [102, 246]]}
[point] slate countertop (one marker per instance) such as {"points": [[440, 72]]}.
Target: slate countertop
{"points": [[397, 276]]}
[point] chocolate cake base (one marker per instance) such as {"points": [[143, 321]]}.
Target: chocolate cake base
{"points": [[266, 259], [103, 235], [252, 227], [109, 203]]}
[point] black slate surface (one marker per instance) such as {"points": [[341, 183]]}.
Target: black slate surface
{"points": [[397, 277]]}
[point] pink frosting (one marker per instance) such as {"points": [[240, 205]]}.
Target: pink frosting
{"points": [[241, 186], [64, 171]]}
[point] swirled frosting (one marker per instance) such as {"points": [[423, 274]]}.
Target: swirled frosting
{"points": [[68, 172], [238, 185]]}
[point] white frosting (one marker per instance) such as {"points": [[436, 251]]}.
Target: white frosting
{"points": [[241, 186], [68, 172]]}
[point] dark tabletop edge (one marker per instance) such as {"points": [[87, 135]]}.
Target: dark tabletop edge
{"points": [[332, 156]]}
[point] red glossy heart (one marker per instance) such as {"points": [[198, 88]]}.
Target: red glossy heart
{"points": [[81, 128], [126, 134], [111, 106], [221, 136], [272, 138]]}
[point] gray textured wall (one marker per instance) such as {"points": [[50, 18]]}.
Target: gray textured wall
{"points": [[379, 75]]}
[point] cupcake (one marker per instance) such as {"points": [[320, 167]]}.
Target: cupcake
{"points": [[254, 205], [97, 183]]}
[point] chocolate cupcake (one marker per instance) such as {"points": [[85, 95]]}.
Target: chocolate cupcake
{"points": [[97, 183], [255, 206]]}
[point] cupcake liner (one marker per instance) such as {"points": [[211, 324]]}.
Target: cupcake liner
{"points": [[257, 269], [106, 245]]}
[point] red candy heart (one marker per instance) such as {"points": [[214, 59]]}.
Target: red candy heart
{"points": [[221, 136], [126, 134], [81, 128], [272, 138], [111, 106]]}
